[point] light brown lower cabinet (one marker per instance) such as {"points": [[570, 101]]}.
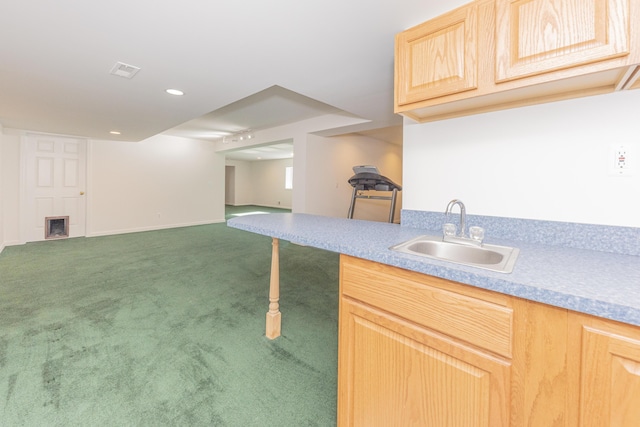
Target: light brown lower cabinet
{"points": [[416, 350], [609, 373]]}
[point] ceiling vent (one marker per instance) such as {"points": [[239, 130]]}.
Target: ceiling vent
{"points": [[124, 70]]}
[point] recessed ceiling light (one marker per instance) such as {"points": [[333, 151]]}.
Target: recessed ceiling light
{"points": [[115, 132], [175, 92]]}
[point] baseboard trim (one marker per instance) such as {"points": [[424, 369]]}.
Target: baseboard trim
{"points": [[151, 228], [4, 245]]}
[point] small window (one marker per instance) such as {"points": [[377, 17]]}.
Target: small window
{"points": [[288, 178]]}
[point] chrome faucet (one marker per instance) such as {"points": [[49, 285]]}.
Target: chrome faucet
{"points": [[463, 215]]}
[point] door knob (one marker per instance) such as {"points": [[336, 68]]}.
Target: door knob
{"points": [[82, 193]]}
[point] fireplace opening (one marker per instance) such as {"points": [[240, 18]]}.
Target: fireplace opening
{"points": [[56, 227]]}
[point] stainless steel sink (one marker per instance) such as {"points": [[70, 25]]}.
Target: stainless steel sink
{"points": [[490, 257]]}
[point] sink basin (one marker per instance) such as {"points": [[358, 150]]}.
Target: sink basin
{"points": [[490, 257]]}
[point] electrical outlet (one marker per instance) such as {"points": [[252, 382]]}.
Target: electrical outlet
{"points": [[621, 160]]}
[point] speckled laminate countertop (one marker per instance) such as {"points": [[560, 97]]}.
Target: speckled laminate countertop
{"points": [[603, 284]]}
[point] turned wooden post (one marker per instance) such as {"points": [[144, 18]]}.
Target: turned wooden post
{"points": [[274, 315]]}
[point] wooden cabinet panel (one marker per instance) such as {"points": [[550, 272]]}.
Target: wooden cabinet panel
{"points": [[393, 373], [473, 320], [538, 36], [545, 367], [610, 378], [438, 57]]}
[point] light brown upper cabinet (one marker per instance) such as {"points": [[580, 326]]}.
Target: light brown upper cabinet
{"points": [[438, 57], [495, 54], [538, 36]]}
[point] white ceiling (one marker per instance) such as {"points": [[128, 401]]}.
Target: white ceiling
{"points": [[271, 107], [242, 64]]}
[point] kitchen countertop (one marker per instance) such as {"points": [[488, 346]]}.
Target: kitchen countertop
{"points": [[599, 283]]}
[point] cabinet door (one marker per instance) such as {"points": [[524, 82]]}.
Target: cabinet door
{"points": [[438, 57], [610, 378], [537, 36], [394, 373]]}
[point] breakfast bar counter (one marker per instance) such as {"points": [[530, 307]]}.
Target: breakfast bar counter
{"points": [[594, 282]]}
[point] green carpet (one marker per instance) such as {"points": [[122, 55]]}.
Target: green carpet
{"points": [[166, 328], [231, 211]]}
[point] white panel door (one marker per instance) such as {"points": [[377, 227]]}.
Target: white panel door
{"points": [[56, 178]]}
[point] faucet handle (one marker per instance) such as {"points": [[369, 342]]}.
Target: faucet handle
{"points": [[476, 233], [449, 229]]}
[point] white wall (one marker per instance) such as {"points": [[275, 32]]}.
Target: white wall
{"points": [[329, 163], [261, 183], [548, 161], [10, 187], [268, 183], [229, 185], [2, 244], [160, 182], [128, 184], [243, 189]]}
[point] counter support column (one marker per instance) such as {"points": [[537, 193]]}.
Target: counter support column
{"points": [[274, 315]]}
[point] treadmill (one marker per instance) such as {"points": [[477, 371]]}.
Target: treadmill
{"points": [[368, 178]]}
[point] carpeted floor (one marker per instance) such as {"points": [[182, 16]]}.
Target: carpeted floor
{"points": [[231, 211], [166, 328]]}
